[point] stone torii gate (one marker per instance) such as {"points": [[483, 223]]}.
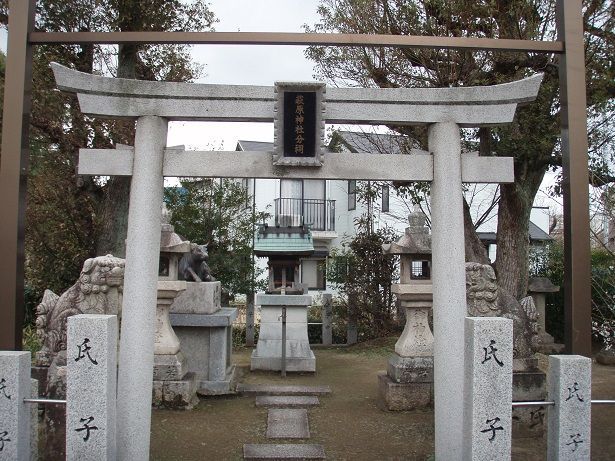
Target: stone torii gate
{"points": [[154, 104]]}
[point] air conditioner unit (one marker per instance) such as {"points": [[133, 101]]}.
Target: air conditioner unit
{"points": [[289, 220]]}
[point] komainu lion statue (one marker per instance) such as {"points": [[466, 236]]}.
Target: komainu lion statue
{"points": [[98, 291], [481, 291]]}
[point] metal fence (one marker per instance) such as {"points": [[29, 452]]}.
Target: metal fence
{"points": [[318, 214]]}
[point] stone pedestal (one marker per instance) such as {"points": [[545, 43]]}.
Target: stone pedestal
{"points": [[417, 339], [410, 369], [395, 396], [268, 352], [207, 341], [166, 341], [529, 421], [173, 387], [408, 383], [169, 366], [198, 298]]}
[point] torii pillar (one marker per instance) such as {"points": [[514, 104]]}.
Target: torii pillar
{"points": [[449, 287], [136, 359]]}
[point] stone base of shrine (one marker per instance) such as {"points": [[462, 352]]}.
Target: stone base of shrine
{"points": [[298, 364], [169, 367], [176, 395], [219, 387], [207, 340], [394, 396], [268, 352], [410, 369], [529, 422]]}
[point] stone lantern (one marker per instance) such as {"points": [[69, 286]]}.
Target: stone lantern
{"points": [[408, 383], [538, 287], [172, 248], [169, 362]]}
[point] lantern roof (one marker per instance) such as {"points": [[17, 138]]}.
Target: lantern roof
{"points": [[416, 239]]}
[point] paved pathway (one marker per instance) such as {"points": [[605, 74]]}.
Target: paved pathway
{"points": [[287, 418]]}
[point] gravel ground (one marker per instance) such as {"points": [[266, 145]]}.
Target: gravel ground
{"points": [[348, 422]]}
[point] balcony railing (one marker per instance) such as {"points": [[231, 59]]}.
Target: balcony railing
{"points": [[318, 214]]}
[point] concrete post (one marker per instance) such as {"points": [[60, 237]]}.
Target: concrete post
{"points": [[488, 380], [250, 320], [136, 363], [352, 329], [91, 362], [15, 424], [449, 288], [327, 319], [569, 420]]}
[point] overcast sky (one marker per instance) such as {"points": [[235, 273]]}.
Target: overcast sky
{"points": [[248, 65]]}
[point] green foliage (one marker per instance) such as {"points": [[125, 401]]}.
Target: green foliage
{"points": [[239, 335], [30, 341], [60, 228], [363, 276], [218, 212], [549, 262]]}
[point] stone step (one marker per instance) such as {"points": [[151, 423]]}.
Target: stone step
{"points": [[268, 389], [294, 451], [287, 423], [286, 401]]}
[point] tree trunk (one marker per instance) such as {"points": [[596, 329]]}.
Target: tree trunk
{"points": [[114, 209], [114, 218], [514, 210], [475, 250]]}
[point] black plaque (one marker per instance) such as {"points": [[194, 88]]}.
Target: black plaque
{"points": [[299, 124]]}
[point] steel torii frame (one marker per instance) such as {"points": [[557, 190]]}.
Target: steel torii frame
{"points": [[15, 138]]}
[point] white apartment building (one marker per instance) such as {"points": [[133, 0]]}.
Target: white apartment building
{"points": [[330, 207]]}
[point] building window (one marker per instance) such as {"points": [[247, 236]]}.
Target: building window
{"points": [[352, 194], [420, 270], [385, 199], [291, 188]]}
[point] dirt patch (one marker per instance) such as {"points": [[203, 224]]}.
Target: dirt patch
{"points": [[348, 422]]}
